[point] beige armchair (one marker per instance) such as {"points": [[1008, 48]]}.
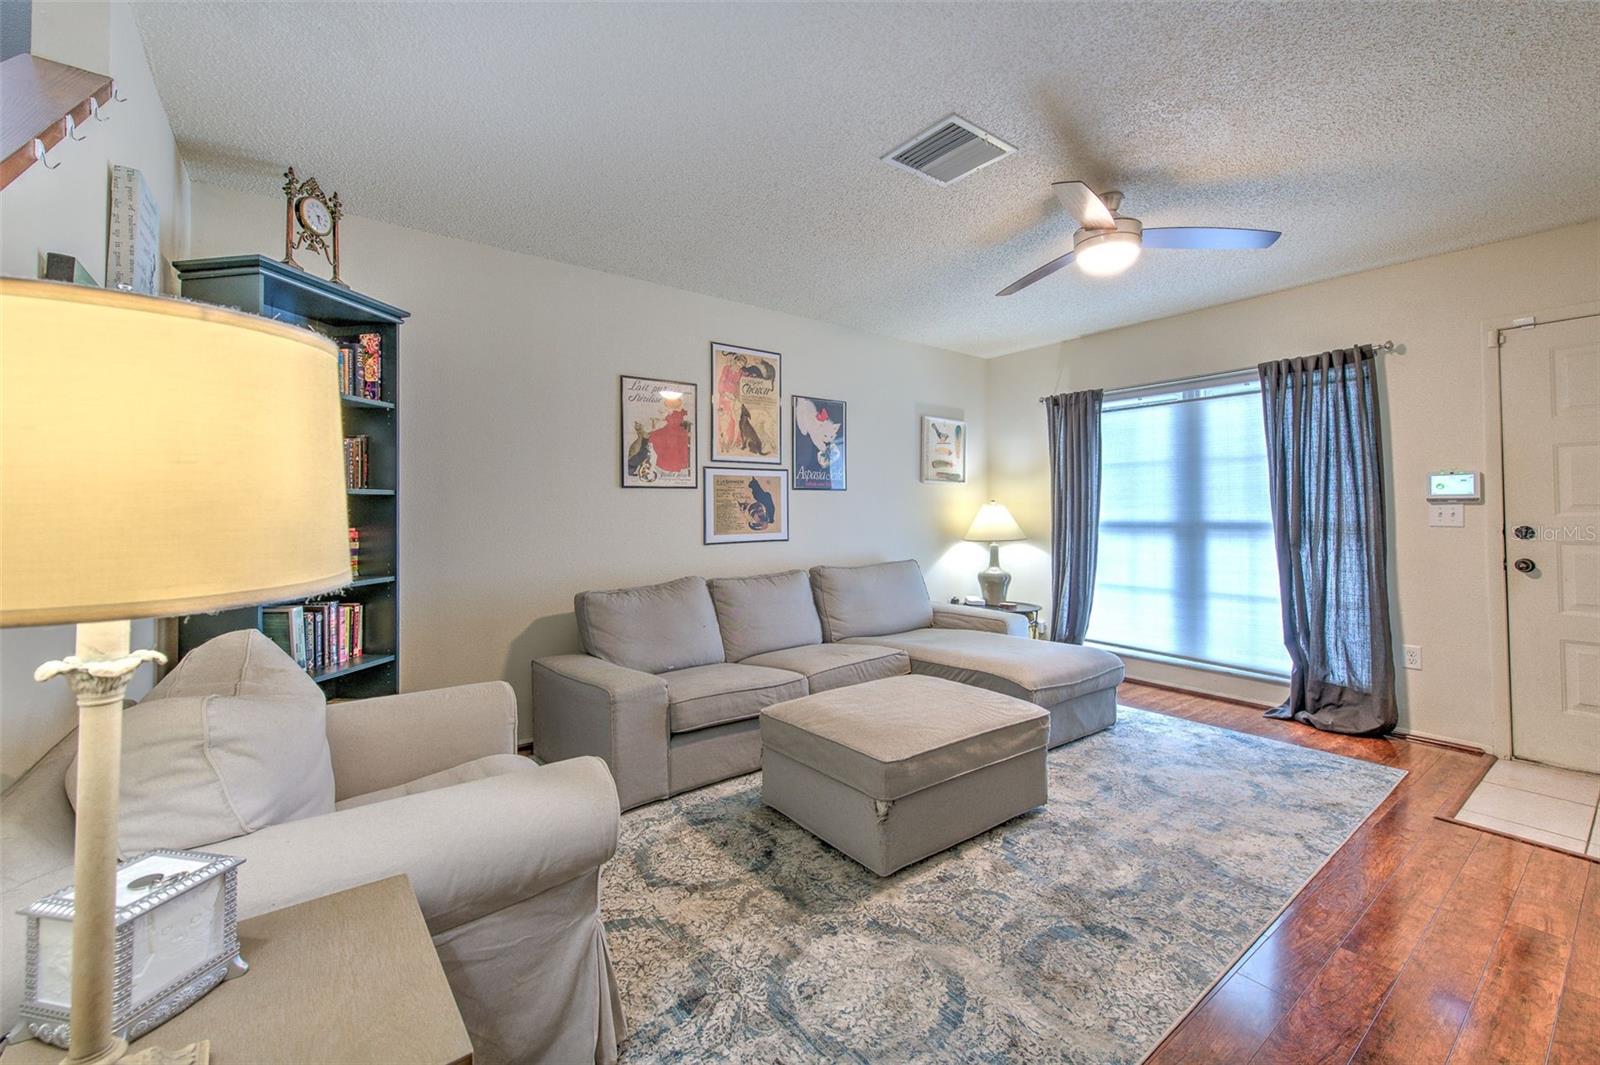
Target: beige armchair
{"points": [[503, 854]]}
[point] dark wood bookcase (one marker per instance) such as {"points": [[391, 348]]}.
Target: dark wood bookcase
{"points": [[272, 289]]}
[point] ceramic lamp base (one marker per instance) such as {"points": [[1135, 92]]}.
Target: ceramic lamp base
{"points": [[994, 581]]}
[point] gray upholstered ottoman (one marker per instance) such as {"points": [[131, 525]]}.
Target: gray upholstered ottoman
{"points": [[894, 770]]}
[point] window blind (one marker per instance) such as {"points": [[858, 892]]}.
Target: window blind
{"points": [[1186, 566]]}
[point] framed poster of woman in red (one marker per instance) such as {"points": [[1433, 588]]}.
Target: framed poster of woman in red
{"points": [[658, 433]]}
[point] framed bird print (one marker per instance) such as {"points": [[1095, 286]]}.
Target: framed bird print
{"points": [[745, 405], [658, 433], [819, 444], [746, 505], [944, 450]]}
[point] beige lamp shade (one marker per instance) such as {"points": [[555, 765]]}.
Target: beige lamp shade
{"points": [[161, 457], [993, 524]]}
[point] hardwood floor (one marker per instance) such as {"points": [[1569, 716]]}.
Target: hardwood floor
{"points": [[1420, 941]]}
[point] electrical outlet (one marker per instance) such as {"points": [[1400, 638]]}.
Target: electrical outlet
{"points": [[1413, 656]]}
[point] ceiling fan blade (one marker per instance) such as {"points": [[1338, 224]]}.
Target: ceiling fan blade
{"points": [[1209, 238], [1082, 204], [1038, 275]]}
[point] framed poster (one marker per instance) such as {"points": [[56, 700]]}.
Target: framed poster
{"points": [[819, 444], [745, 505], [658, 433], [746, 405], [944, 450]]}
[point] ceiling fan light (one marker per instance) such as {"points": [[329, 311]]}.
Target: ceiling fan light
{"points": [[1104, 254]]}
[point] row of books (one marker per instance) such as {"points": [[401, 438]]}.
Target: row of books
{"points": [[361, 366], [355, 462], [318, 636], [355, 552]]}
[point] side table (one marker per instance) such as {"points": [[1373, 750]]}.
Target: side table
{"points": [[1027, 610], [351, 978]]}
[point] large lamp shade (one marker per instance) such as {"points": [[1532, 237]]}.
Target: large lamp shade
{"points": [[994, 524], [161, 457]]}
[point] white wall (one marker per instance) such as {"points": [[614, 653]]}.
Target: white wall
{"points": [[1437, 415], [509, 439], [65, 210]]}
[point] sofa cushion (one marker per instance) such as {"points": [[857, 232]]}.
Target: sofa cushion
{"points": [[703, 696], [232, 741], [892, 737], [765, 613], [654, 628], [492, 765], [870, 600], [1039, 671], [836, 665]]}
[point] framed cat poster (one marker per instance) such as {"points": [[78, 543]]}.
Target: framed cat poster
{"points": [[746, 410], [944, 450], [819, 444], [746, 505], [658, 433]]}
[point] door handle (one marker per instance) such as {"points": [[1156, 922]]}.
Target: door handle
{"points": [[1524, 565]]}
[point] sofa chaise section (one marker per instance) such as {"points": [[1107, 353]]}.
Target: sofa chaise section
{"points": [[887, 605]]}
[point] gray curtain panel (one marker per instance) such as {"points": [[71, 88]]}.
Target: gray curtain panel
{"points": [[1325, 465], [1074, 424]]}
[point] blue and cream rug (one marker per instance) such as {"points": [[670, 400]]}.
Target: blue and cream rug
{"points": [[1077, 933]]}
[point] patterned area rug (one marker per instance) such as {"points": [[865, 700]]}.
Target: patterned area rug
{"points": [[1079, 932]]}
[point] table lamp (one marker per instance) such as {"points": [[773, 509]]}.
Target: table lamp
{"points": [[157, 457], [994, 525]]}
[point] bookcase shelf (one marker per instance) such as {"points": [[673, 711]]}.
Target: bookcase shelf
{"points": [[355, 665], [263, 286]]}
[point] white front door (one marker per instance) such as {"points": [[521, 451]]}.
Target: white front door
{"points": [[1550, 410]]}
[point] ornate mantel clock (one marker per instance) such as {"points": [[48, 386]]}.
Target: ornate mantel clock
{"points": [[311, 220]]}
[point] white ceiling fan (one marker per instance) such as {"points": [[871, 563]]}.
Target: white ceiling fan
{"points": [[1107, 243]]}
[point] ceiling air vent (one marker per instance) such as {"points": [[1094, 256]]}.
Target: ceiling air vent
{"points": [[948, 151]]}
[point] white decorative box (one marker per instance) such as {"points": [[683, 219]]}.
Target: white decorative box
{"points": [[177, 937]]}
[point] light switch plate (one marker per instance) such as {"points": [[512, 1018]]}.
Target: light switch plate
{"points": [[1446, 515]]}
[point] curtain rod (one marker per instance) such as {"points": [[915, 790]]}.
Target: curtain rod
{"points": [[1382, 348]]}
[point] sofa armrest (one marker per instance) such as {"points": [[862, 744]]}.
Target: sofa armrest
{"points": [[586, 705], [379, 743], [469, 850], [957, 616]]}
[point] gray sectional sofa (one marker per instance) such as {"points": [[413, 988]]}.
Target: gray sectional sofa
{"points": [[671, 689]]}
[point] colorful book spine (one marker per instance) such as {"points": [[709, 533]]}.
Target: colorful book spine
{"points": [[371, 373], [355, 462], [355, 553], [319, 640], [285, 626]]}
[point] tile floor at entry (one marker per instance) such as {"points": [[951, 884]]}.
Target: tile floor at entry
{"points": [[1557, 807]]}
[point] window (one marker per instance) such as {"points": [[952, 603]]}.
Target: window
{"points": [[1186, 564]]}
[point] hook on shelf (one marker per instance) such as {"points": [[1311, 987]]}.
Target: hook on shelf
{"points": [[94, 111], [38, 154], [116, 94], [72, 130]]}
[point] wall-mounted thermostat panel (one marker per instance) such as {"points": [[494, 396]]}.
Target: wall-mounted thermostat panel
{"points": [[1453, 487]]}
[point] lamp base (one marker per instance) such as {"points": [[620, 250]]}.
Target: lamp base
{"points": [[994, 581], [193, 1054]]}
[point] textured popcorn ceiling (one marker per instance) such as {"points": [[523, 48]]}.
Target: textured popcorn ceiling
{"points": [[734, 149]]}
